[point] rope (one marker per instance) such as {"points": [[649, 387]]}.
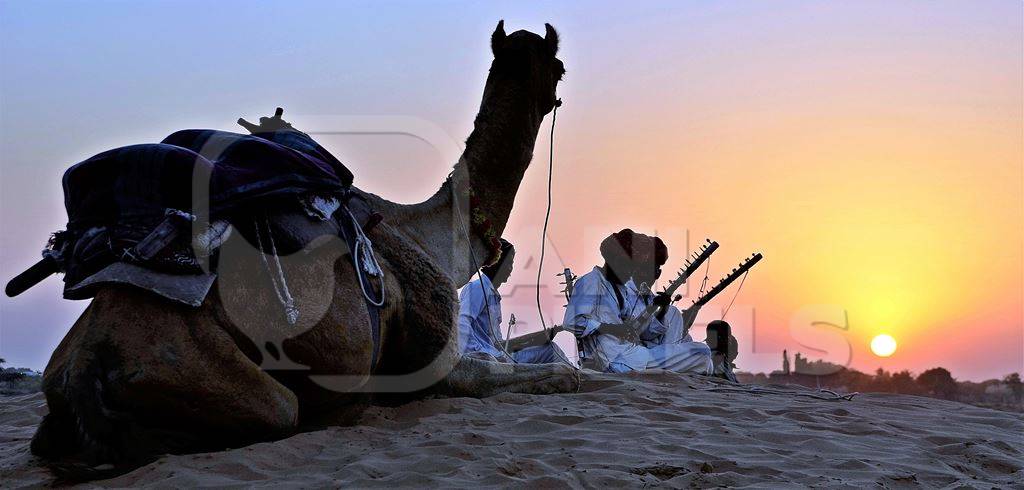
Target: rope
{"points": [[547, 213], [363, 244], [291, 313], [738, 288], [544, 231], [761, 391]]}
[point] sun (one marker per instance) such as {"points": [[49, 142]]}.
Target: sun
{"points": [[883, 345]]}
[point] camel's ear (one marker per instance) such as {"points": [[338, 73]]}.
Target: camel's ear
{"points": [[551, 36], [498, 38]]}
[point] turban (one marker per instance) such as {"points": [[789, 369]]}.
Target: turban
{"points": [[627, 245]]}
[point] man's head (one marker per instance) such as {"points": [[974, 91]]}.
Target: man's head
{"points": [[634, 255], [617, 251], [649, 255], [499, 271]]}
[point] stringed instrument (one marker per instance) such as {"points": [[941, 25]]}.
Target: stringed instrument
{"points": [[541, 336], [744, 266], [689, 267]]}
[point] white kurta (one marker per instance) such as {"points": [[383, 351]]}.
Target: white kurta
{"points": [[480, 318], [594, 302], [673, 349], [480, 327]]}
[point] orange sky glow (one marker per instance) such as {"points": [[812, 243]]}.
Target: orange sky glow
{"points": [[872, 151]]}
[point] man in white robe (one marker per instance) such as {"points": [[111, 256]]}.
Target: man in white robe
{"points": [[668, 338], [675, 344], [480, 317], [606, 300]]}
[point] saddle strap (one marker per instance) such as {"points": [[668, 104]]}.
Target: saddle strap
{"points": [[373, 300]]}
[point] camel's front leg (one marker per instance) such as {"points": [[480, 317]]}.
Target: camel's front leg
{"points": [[479, 378]]}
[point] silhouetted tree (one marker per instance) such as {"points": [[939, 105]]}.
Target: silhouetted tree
{"points": [[8, 375], [938, 382], [882, 381], [903, 382], [1016, 387]]}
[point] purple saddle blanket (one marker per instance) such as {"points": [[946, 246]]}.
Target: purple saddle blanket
{"points": [[134, 205]]}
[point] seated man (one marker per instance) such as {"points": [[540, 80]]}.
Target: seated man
{"points": [[668, 335], [606, 300], [480, 317]]}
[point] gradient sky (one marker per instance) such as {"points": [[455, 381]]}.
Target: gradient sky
{"points": [[871, 150]]}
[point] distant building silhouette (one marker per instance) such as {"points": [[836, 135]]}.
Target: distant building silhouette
{"points": [[1000, 394], [801, 365]]}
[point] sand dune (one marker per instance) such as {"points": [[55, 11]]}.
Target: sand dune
{"points": [[656, 428]]}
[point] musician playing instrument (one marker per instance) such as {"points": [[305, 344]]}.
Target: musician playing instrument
{"points": [[480, 317], [606, 302], [674, 325]]}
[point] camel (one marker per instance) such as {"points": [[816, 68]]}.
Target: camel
{"points": [[138, 375]]}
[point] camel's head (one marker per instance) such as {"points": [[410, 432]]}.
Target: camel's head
{"points": [[527, 61]]}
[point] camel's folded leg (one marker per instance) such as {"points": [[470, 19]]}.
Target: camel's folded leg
{"points": [[138, 376], [481, 378]]}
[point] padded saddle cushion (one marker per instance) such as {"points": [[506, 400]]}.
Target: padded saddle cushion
{"points": [[116, 198], [142, 181], [247, 168]]}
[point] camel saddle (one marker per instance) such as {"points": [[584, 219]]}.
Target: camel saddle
{"points": [[153, 215]]}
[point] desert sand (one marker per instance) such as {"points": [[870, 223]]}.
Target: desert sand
{"points": [[643, 429]]}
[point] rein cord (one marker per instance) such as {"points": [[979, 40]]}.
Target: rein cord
{"points": [[540, 266], [547, 213], [365, 259], [544, 232]]}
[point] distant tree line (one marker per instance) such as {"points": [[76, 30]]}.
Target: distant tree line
{"points": [[17, 381], [1006, 393]]}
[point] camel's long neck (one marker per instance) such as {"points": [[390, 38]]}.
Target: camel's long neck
{"points": [[499, 150], [496, 156]]}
